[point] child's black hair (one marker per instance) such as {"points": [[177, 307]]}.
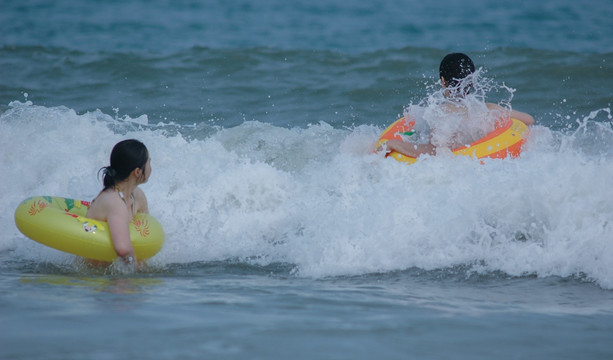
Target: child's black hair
{"points": [[126, 156], [455, 67]]}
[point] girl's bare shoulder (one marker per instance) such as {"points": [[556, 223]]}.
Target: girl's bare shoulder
{"points": [[108, 200], [141, 201]]}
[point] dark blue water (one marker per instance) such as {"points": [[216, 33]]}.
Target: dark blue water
{"points": [[285, 235]]}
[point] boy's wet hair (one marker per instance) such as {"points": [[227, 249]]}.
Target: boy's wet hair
{"points": [[455, 67]]}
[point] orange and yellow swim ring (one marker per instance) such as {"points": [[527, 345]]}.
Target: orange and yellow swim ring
{"points": [[506, 140]]}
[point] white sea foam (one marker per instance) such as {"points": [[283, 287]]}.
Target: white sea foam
{"points": [[456, 116], [320, 199]]}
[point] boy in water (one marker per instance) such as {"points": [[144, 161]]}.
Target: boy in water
{"points": [[456, 72]]}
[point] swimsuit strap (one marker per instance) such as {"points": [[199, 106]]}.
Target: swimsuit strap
{"points": [[121, 195]]}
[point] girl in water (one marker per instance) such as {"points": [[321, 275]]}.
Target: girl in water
{"points": [[121, 198]]}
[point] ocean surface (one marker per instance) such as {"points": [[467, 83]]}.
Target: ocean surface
{"points": [[286, 236]]}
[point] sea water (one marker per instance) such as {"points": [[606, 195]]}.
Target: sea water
{"points": [[286, 236]]}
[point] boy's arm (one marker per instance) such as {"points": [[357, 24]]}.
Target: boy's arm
{"points": [[521, 116], [410, 149]]}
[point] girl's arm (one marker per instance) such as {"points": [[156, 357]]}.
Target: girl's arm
{"points": [[119, 226]]}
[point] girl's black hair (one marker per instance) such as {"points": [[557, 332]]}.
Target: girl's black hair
{"points": [[126, 156], [455, 67]]}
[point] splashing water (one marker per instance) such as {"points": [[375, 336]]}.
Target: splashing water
{"points": [[456, 116], [320, 200]]}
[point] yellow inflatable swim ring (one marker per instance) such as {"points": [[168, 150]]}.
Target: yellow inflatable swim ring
{"points": [[60, 223], [506, 140]]}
